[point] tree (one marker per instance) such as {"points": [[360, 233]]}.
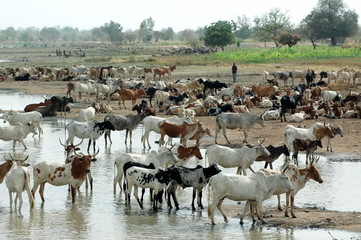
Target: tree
{"points": [[289, 39], [270, 25], [9, 34], [244, 29], [49, 34], [330, 19], [130, 36], [146, 30], [219, 34], [114, 32], [97, 34]]}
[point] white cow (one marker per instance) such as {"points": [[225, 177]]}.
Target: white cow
{"points": [[86, 88], [14, 118], [257, 187], [160, 160], [329, 95], [244, 121], [272, 114], [240, 158], [297, 117], [86, 115], [315, 132], [17, 133], [17, 181]]}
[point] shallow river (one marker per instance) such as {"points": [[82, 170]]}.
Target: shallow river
{"points": [[102, 215]]}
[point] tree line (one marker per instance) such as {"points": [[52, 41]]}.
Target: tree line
{"points": [[329, 19]]}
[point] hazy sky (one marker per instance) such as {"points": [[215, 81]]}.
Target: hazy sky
{"points": [[87, 14]]}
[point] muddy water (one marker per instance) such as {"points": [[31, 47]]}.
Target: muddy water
{"points": [[102, 215]]}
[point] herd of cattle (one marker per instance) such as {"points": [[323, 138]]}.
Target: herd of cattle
{"points": [[164, 170]]}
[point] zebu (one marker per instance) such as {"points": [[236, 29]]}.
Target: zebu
{"points": [[244, 121]]}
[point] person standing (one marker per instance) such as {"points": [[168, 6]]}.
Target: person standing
{"points": [[234, 72]]}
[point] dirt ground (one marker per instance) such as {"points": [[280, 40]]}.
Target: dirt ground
{"points": [[273, 134]]}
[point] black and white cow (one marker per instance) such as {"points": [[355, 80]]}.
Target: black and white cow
{"points": [[196, 177]]}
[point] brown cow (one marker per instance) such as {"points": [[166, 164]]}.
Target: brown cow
{"points": [[200, 134], [184, 153], [6, 167], [130, 94], [184, 131], [34, 106], [161, 72], [264, 91]]}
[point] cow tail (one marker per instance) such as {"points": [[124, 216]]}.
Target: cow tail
{"points": [[209, 194], [27, 188]]}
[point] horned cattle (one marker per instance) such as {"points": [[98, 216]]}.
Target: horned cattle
{"points": [[244, 121]]}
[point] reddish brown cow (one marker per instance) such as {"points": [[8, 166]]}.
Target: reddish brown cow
{"points": [[184, 131], [161, 72], [200, 134], [130, 94], [264, 91], [5, 168], [34, 106], [69, 88], [186, 152], [147, 70]]}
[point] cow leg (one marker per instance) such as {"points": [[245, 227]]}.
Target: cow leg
{"points": [[216, 134], [143, 191], [211, 208], [90, 177], [245, 137], [41, 191], [130, 135], [126, 136], [22, 142], [260, 211], [219, 206], [73, 194], [279, 202], [225, 135], [287, 204], [94, 142], [135, 194], [193, 197], [246, 208], [11, 198], [200, 199], [89, 143], [292, 206]]}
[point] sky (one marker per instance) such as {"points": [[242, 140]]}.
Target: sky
{"points": [[180, 15]]}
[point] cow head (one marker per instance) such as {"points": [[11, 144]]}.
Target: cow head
{"points": [[19, 161], [71, 147]]}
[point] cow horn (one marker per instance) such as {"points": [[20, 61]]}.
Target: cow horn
{"points": [[172, 146], [6, 158], [94, 155], [62, 144], [26, 158], [285, 166], [261, 141]]}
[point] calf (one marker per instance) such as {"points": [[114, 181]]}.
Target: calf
{"points": [[59, 174], [305, 145], [196, 177], [275, 152]]}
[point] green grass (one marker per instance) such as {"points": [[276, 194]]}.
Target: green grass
{"points": [[266, 55]]}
